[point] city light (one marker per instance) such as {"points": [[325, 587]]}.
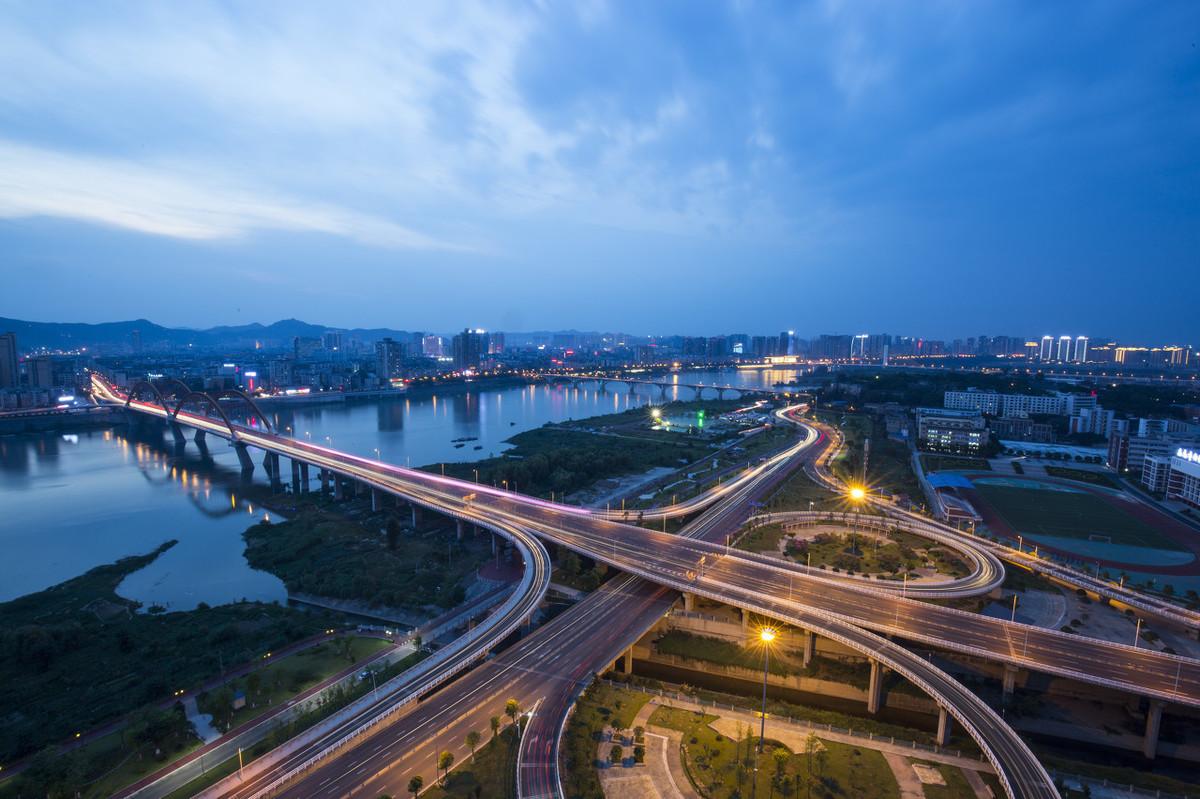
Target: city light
{"points": [[767, 634], [857, 493]]}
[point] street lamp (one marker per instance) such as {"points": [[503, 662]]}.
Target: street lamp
{"points": [[766, 635], [857, 494]]}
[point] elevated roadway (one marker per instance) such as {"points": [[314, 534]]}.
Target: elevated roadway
{"points": [[842, 612]]}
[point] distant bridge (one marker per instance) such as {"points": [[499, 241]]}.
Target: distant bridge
{"points": [[663, 386]]}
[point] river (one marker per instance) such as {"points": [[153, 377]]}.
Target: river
{"points": [[74, 501]]}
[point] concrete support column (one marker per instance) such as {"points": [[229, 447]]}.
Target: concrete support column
{"points": [[324, 481], [629, 660], [295, 476], [745, 622], [244, 457], [943, 733], [458, 528], [271, 464], [1010, 678], [689, 602], [875, 690], [201, 438], [375, 500], [177, 434], [810, 647], [338, 489], [415, 516], [1153, 722], [304, 477]]}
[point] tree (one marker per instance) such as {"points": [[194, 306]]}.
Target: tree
{"points": [[473, 741], [495, 722], [512, 709], [444, 762], [616, 754], [415, 785], [393, 533], [253, 683], [779, 756]]}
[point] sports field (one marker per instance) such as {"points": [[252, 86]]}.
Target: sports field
{"points": [[1070, 514]]}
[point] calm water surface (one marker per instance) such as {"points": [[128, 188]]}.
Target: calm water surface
{"points": [[71, 502]]}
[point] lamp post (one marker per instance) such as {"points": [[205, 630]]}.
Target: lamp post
{"points": [[767, 635], [857, 495]]}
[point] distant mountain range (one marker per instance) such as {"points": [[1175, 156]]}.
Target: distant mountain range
{"points": [[119, 335]]}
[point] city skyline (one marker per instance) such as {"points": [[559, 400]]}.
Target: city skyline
{"points": [[475, 163]]}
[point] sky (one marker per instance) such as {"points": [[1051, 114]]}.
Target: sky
{"points": [[943, 169]]}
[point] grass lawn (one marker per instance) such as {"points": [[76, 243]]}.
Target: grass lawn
{"points": [[944, 463], [716, 650], [956, 785], [493, 772], [289, 676], [720, 768], [600, 706], [1070, 514], [1083, 476], [798, 491]]}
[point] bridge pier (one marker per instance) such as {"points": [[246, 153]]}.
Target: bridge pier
{"points": [[415, 514], [745, 622], [944, 722], [875, 691], [295, 476], [689, 602], [810, 647], [304, 477], [458, 528], [1153, 722], [271, 465], [338, 490], [324, 481], [375, 500], [177, 434], [1010, 679], [243, 457]]}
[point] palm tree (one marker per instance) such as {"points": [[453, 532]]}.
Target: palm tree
{"points": [[444, 762], [415, 785], [473, 741], [512, 709], [495, 727]]}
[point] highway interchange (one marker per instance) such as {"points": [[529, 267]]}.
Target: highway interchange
{"points": [[604, 624]]}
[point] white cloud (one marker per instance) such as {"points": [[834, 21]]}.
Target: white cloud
{"points": [[174, 202]]}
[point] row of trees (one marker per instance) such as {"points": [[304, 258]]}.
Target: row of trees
{"points": [[445, 759]]}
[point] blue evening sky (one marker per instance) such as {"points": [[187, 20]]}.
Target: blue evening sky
{"points": [[931, 168]]}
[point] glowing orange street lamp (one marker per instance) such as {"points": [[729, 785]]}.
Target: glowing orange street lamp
{"points": [[766, 635]]}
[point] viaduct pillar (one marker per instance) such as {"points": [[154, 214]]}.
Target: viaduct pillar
{"points": [[689, 602], [875, 690], [810, 646], [458, 528], [177, 434], [375, 500], [1153, 722], [943, 732], [1010, 678], [295, 476]]}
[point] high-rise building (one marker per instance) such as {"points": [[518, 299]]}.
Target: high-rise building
{"points": [[495, 344], [389, 357], [469, 347], [858, 346], [331, 340], [41, 372], [787, 343], [1081, 347], [1047, 350], [432, 347], [1064, 349], [9, 373]]}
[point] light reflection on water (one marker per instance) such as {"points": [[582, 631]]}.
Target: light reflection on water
{"points": [[72, 502]]}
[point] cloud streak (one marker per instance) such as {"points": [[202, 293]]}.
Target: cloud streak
{"points": [[165, 201]]}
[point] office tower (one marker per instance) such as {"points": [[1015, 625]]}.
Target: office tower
{"points": [[495, 344], [8, 360], [469, 348], [389, 355], [432, 347], [1081, 347], [41, 372]]}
